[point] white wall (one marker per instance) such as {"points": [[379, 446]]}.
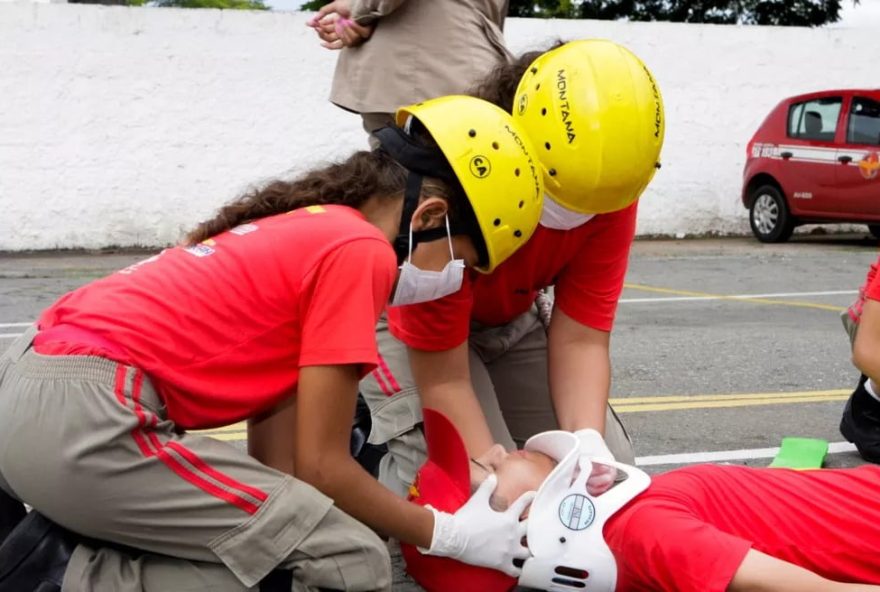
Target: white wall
{"points": [[121, 126]]}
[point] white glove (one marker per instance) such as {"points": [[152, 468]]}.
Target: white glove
{"points": [[593, 446], [479, 535]]}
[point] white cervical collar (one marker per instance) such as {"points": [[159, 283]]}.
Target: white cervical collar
{"points": [[569, 552], [556, 216]]}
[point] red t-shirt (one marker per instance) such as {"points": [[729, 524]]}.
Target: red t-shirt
{"points": [[586, 265], [223, 327], [870, 289], [693, 527]]}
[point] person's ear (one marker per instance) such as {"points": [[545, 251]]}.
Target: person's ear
{"points": [[430, 213]]}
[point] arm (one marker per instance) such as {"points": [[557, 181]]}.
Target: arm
{"points": [[323, 410], [444, 382], [762, 573], [866, 350], [325, 405], [580, 372], [587, 292]]}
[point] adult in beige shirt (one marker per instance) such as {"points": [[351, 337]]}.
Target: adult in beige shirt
{"points": [[398, 52]]}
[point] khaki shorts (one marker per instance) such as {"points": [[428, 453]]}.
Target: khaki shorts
{"points": [[86, 442]]}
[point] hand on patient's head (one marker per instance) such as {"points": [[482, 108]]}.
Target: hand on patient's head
{"points": [[485, 464]]}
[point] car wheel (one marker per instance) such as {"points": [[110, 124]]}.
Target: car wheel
{"points": [[874, 229], [769, 217]]}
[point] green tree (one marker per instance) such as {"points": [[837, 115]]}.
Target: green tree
{"points": [[225, 4], [809, 13]]}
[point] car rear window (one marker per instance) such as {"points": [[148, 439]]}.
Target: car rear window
{"points": [[814, 120], [864, 122]]}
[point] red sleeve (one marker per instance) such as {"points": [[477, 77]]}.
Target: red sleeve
{"points": [[342, 301], [589, 287], [872, 283], [660, 545], [437, 325]]}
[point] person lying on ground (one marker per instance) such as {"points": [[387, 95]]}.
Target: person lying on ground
{"points": [[704, 528]]}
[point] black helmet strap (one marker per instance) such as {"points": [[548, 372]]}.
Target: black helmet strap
{"points": [[425, 161]]}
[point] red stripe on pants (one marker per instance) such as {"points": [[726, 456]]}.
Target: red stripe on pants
{"points": [[226, 480], [395, 388], [388, 392], [145, 439]]}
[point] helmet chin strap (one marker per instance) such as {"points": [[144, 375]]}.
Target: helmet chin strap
{"points": [[423, 161]]}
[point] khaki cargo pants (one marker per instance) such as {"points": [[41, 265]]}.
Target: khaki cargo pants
{"points": [[85, 441], [508, 367]]}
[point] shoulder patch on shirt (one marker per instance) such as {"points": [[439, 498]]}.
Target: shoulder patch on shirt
{"points": [[200, 250], [315, 209], [243, 229]]}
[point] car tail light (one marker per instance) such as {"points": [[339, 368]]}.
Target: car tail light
{"points": [[749, 148]]}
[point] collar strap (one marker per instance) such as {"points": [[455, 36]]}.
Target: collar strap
{"points": [[417, 158]]}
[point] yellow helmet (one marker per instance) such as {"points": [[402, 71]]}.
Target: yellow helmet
{"points": [[595, 114], [496, 165]]}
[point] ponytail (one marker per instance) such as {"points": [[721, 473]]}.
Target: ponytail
{"points": [[349, 183]]}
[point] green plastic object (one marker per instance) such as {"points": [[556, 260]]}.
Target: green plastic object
{"points": [[801, 453]]}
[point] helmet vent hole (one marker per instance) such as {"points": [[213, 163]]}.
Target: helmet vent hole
{"points": [[472, 133], [521, 204], [538, 86], [516, 172], [534, 70], [572, 572], [552, 172], [517, 233], [547, 145], [497, 222], [495, 145], [543, 110]]}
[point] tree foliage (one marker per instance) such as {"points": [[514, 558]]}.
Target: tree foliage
{"points": [[809, 13], [224, 4]]}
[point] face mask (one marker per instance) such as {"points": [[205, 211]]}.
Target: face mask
{"points": [[558, 217], [416, 285]]}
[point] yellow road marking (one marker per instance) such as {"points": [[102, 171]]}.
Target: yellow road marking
{"points": [[239, 436], [238, 431], [795, 303], [725, 404], [620, 401]]}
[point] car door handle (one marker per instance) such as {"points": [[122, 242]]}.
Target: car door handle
{"points": [[786, 155], [845, 159]]}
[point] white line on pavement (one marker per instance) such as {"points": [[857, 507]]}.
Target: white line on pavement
{"points": [[687, 458], [10, 335], [7, 325], [738, 296]]}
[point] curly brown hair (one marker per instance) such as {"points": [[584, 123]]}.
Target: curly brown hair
{"points": [[499, 87], [350, 182]]}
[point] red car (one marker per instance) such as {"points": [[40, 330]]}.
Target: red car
{"points": [[815, 159]]}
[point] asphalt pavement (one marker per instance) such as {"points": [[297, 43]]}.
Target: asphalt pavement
{"points": [[721, 347]]}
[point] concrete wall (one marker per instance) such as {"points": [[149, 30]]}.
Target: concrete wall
{"points": [[122, 126]]}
